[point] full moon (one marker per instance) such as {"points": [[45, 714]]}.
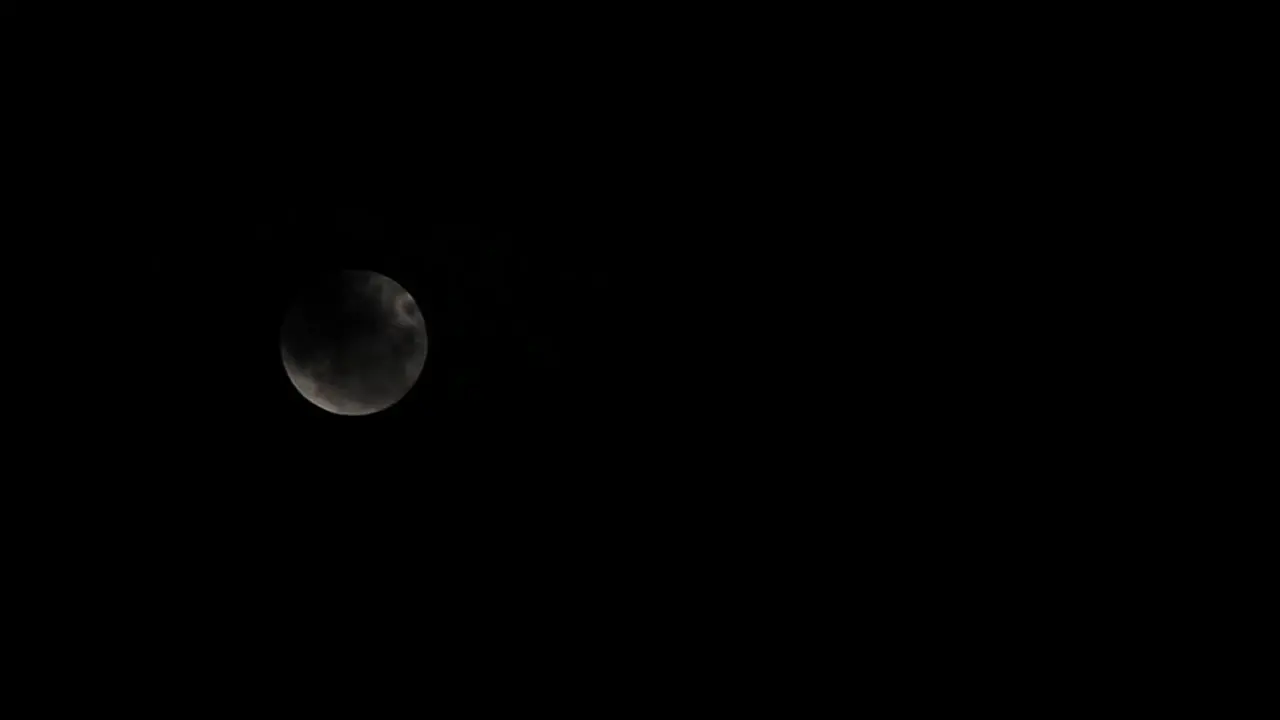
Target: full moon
{"points": [[354, 342]]}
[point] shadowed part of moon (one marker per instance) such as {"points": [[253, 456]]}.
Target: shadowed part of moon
{"points": [[354, 343]]}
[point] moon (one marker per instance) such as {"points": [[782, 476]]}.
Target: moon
{"points": [[353, 342]]}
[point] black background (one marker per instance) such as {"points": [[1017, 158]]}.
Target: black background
{"points": [[652, 290], [570, 428], [735, 319]]}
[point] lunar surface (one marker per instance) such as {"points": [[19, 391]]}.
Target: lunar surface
{"points": [[354, 342]]}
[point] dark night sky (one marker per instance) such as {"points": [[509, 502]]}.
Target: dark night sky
{"points": [[627, 322], [728, 316], [579, 246], [567, 337], [603, 277]]}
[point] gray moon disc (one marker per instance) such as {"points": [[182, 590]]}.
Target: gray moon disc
{"points": [[354, 342]]}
